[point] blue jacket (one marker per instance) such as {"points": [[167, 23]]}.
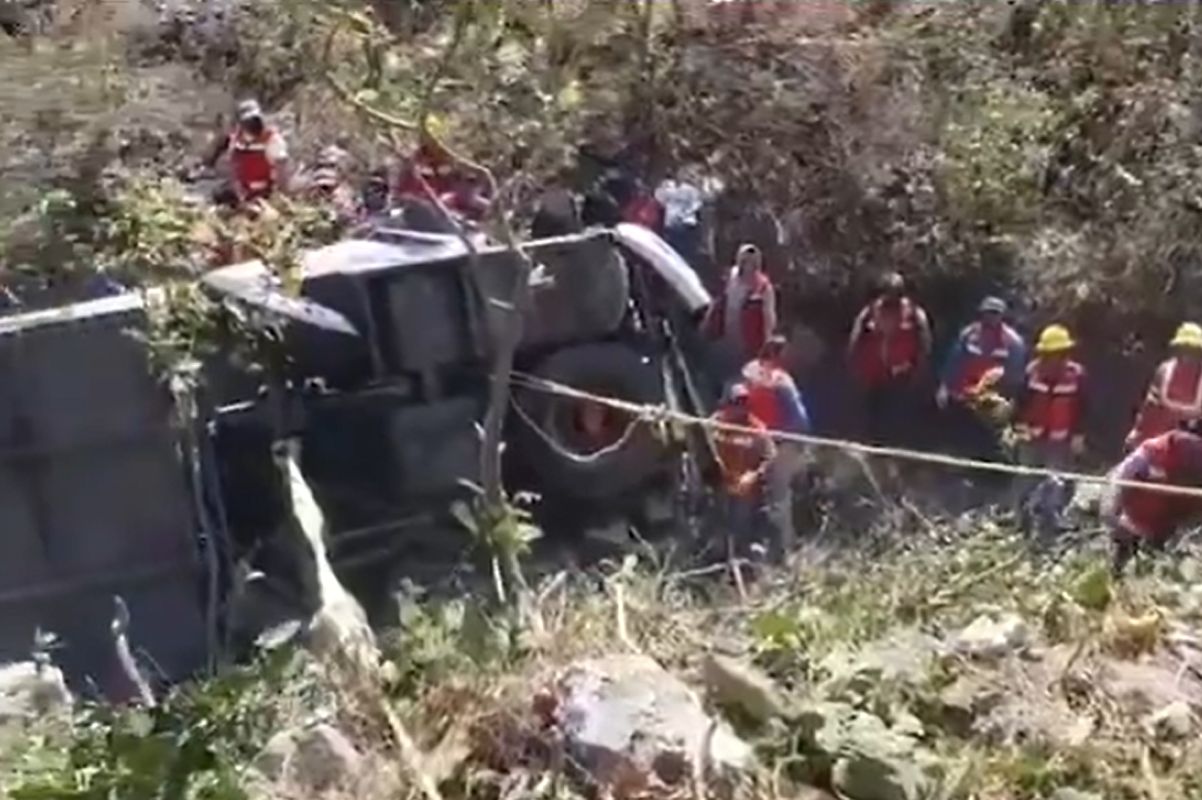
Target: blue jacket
{"points": [[968, 360], [787, 410]]}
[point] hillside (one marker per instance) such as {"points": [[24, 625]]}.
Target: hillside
{"points": [[1048, 151]]}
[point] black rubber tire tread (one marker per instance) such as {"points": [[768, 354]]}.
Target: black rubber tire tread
{"points": [[609, 368]]}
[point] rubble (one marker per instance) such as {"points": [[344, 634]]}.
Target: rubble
{"points": [[316, 758], [869, 760], [990, 638], [632, 725], [735, 684], [1174, 722]]}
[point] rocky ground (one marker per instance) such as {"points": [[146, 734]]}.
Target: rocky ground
{"points": [[954, 665]]}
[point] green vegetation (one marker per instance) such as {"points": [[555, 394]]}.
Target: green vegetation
{"points": [[1051, 148], [866, 644]]}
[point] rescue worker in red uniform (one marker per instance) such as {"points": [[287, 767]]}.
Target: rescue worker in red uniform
{"points": [[773, 399], [984, 347], [1051, 409], [326, 185], [642, 208], [889, 350], [745, 458], [1175, 393], [258, 155], [743, 315], [1144, 517]]}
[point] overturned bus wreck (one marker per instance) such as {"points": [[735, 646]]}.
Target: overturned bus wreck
{"points": [[110, 486]]}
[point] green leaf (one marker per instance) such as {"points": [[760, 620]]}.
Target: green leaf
{"points": [[1092, 590]]}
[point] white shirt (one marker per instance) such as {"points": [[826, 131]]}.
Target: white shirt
{"points": [[736, 293], [681, 201]]}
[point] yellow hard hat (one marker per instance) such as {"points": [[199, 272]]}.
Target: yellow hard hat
{"points": [[1054, 339], [1188, 335]]}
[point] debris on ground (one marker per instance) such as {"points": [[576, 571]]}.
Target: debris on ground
{"points": [[735, 684], [635, 727], [990, 637], [1174, 722], [868, 760], [317, 758]]}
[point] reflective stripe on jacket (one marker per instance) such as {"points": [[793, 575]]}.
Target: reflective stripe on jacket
{"points": [[980, 349], [1053, 402], [1174, 394], [889, 341], [1171, 458]]}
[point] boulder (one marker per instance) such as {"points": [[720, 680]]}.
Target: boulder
{"points": [[632, 725], [963, 702], [1172, 723], [868, 759], [316, 758], [28, 690], [990, 638], [736, 684], [873, 762]]}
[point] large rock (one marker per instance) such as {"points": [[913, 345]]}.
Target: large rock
{"points": [[735, 684], [631, 725], [316, 758], [873, 762], [988, 637], [29, 690], [1175, 722], [963, 702], [868, 759]]}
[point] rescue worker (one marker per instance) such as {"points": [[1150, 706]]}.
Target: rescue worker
{"points": [[745, 458], [1051, 409], [642, 208], [258, 155], [682, 202], [1144, 517], [1175, 393], [328, 186], [774, 400], [889, 350], [743, 315], [375, 196], [988, 357]]}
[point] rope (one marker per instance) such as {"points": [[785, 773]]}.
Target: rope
{"points": [[660, 413], [551, 442]]}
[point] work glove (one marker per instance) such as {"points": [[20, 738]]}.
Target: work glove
{"points": [[747, 483], [941, 396]]}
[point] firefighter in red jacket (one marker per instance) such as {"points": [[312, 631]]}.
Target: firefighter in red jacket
{"points": [[1051, 407], [773, 398], [745, 456], [1144, 517], [1175, 393], [258, 155], [889, 349], [743, 314]]}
